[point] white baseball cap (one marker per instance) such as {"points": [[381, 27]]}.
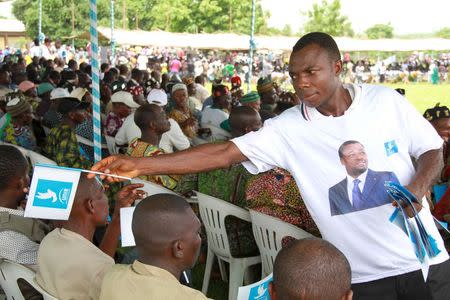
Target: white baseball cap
{"points": [[158, 97], [125, 98], [78, 93], [59, 93]]}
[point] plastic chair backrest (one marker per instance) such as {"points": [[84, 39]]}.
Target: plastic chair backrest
{"points": [[152, 188], [111, 143], [213, 212], [10, 273], [269, 233], [36, 158], [85, 141]]}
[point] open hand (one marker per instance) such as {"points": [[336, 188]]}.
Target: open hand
{"points": [[128, 194], [117, 165]]}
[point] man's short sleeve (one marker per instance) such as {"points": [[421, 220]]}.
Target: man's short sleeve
{"points": [[421, 134], [265, 149]]}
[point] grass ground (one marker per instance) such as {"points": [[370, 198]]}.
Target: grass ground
{"points": [[425, 95]]}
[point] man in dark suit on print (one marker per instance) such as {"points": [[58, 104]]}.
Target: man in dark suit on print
{"points": [[363, 188]]}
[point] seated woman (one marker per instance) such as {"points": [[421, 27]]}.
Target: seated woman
{"points": [[181, 112], [19, 131]]}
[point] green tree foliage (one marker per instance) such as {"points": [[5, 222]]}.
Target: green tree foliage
{"points": [[170, 15], [326, 17], [444, 33], [380, 31]]}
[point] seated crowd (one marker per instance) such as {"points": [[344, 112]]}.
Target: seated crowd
{"points": [[145, 115]]}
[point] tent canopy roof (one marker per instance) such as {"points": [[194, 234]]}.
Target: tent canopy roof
{"points": [[232, 41]]}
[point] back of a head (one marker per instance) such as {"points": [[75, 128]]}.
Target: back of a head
{"points": [[12, 164], [242, 118], [145, 114], [323, 40], [311, 268], [158, 221]]}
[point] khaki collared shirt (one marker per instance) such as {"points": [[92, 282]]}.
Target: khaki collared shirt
{"points": [[140, 281], [70, 266]]}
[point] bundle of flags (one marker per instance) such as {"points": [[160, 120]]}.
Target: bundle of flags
{"points": [[424, 244]]}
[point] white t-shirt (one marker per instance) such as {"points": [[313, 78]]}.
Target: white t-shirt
{"points": [[212, 118], [306, 143], [170, 140]]}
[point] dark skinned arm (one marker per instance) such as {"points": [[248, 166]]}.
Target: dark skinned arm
{"points": [[428, 167], [198, 159]]}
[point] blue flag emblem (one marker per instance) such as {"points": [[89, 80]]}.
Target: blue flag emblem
{"points": [[53, 194], [260, 292], [391, 147]]}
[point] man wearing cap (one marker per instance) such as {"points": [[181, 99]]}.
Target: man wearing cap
{"points": [[122, 106], [267, 92], [28, 88], [172, 140], [52, 117], [43, 91], [19, 131], [252, 100], [62, 145]]}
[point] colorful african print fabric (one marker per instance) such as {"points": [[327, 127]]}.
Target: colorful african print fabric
{"points": [[63, 148], [86, 130], [276, 194], [181, 117], [229, 185], [113, 124], [20, 135], [138, 148]]}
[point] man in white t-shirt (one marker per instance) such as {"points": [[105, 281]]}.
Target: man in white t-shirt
{"points": [[305, 141], [172, 140]]}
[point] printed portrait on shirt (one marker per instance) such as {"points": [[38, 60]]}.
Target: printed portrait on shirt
{"points": [[362, 188]]}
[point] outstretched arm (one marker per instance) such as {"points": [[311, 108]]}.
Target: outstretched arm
{"points": [[198, 159]]}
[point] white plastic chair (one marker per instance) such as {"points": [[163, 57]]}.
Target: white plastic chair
{"points": [[111, 143], [11, 272], [85, 141], [36, 158], [46, 130], [269, 233], [213, 212], [152, 188]]}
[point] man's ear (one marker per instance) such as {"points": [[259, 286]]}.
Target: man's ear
{"points": [[272, 293], [71, 114], [338, 67], [89, 205], [152, 125], [178, 249], [348, 295]]}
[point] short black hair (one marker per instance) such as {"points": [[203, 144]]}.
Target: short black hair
{"points": [[145, 114], [321, 39], [136, 73], [123, 69], [12, 164], [104, 66], [349, 142], [72, 63], [240, 118], [311, 267]]}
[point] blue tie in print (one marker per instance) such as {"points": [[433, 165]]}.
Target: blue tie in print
{"points": [[357, 195]]}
